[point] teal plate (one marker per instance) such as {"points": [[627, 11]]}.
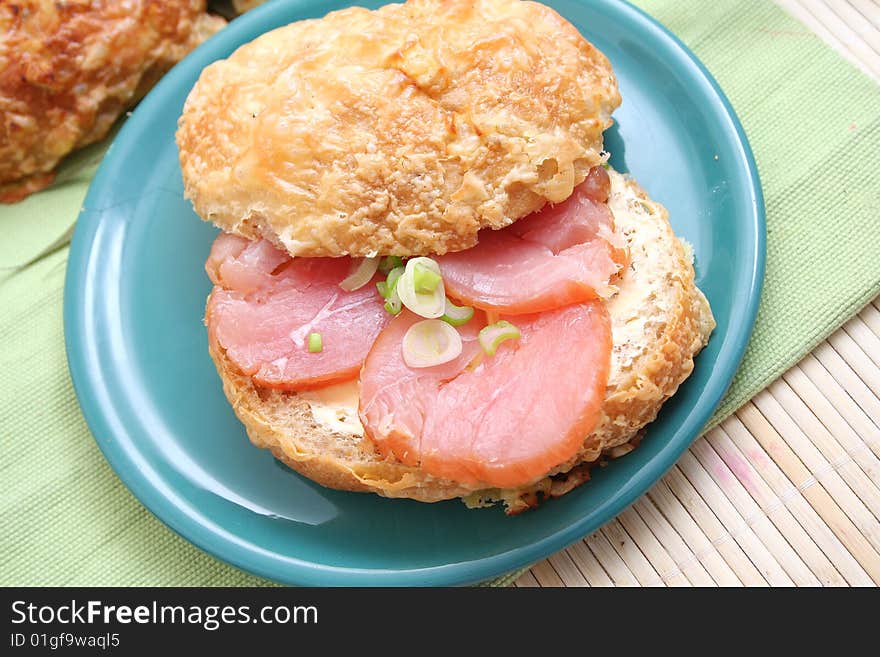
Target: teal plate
{"points": [[137, 349]]}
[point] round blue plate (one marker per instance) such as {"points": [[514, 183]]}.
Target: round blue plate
{"points": [[137, 349]]}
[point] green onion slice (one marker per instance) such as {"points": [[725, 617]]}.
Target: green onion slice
{"points": [[389, 286], [394, 276], [493, 335], [361, 273], [316, 344], [457, 315], [390, 262], [430, 342], [427, 297], [388, 290], [393, 305], [426, 280]]}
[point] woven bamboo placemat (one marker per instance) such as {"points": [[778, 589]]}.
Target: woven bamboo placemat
{"points": [[787, 490]]}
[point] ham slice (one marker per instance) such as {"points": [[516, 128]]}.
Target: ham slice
{"points": [[563, 254], [265, 304], [501, 421]]}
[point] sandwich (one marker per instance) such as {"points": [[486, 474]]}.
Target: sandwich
{"points": [[430, 284]]}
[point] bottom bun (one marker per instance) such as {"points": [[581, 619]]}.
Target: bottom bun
{"points": [[660, 321]]}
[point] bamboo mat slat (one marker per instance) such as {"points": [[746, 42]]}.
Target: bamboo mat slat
{"points": [[663, 503], [785, 492]]}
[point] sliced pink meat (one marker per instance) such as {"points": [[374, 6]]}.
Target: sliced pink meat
{"points": [[239, 264], [563, 254], [265, 304], [500, 421]]}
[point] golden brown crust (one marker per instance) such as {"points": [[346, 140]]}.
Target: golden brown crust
{"points": [[398, 131], [68, 69], [20, 189], [660, 320]]}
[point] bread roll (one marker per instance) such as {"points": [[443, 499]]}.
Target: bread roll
{"points": [[69, 69], [399, 131]]}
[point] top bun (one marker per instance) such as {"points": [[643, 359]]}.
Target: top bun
{"points": [[398, 131]]}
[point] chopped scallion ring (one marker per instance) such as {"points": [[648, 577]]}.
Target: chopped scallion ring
{"points": [[394, 276], [388, 290], [390, 262], [361, 274], [493, 335], [316, 344], [457, 315], [426, 281], [430, 342], [393, 305], [428, 297]]}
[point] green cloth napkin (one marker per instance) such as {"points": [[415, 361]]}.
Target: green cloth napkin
{"points": [[814, 124]]}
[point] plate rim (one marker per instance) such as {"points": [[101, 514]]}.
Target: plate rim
{"points": [[303, 572]]}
